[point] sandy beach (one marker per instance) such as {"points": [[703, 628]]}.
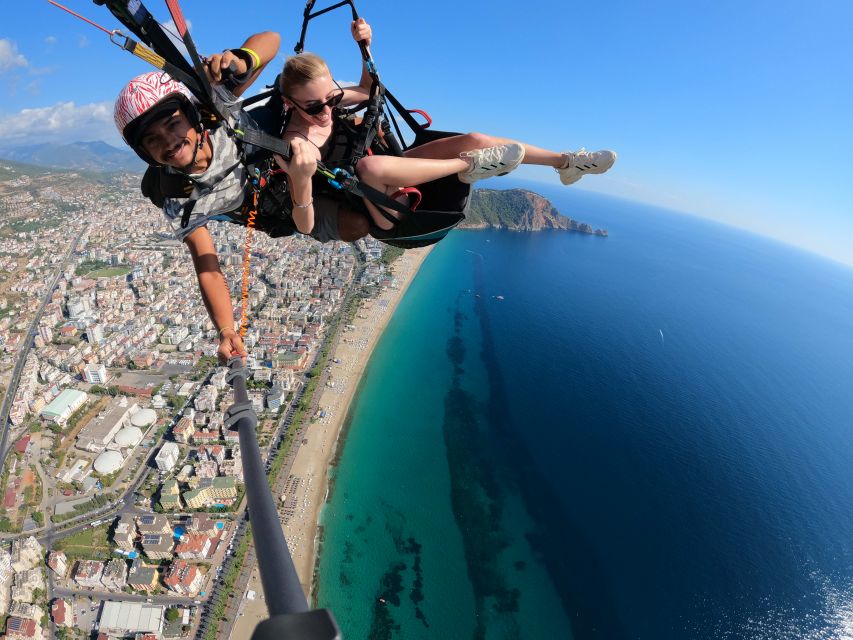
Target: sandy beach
{"points": [[306, 487]]}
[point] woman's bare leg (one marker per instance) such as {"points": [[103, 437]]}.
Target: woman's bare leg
{"points": [[454, 145], [387, 173]]}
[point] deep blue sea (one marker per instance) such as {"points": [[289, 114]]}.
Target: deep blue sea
{"points": [[646, 436]]}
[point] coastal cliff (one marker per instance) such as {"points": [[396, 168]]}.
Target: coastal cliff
{"points": [[519, 210]]}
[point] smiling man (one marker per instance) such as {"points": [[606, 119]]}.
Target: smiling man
{"points": [[198, 173]]}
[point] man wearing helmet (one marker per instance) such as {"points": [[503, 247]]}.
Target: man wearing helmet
{"points": [[198, 174]]}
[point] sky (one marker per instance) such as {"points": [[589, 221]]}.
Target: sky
{"points": [[735, 111]]}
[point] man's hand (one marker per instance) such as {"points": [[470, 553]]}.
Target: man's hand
{"points": [[219, 62], [230, 345], [361, 31]]}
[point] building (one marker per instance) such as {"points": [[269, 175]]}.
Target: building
{"points": [[276, 398], [108, 462], [217, 452], [58, 562], [62, 613], [203, 523], [193, 546], [128, 437], [26, 554], [95, 373], [168, 457], [170, 495], [125, 532], [153, 523], [129, 618], [25, 583], [205, 436], [63, 406], [5, 565], [88, 573], [157, 546], [26, 610], [95, 334], [22, 628], [143, 418], [212, 491], [115, 574], [184, 578], [142, 577], [96, 435], [184, 430]]}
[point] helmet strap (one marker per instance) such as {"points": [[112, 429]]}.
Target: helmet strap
{"points": [[202, 137]]}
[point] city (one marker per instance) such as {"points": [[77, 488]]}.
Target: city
{"points": [[123, 511]]}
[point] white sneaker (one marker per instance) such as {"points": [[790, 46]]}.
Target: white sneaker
{"points": [[492, 161], [583, 162]]}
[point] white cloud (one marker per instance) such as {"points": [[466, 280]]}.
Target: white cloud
{"points": [[62, 122], [9, 56], [83, 42], [51, 40]]}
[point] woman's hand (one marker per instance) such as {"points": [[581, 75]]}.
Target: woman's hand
{"points": [[361, 31], [303, 160], [230, 345]]}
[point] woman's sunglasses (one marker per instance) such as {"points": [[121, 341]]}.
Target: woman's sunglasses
{"points": [[316, 109]]}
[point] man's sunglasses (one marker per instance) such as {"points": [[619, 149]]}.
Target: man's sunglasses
{"points": [[316, 109]]}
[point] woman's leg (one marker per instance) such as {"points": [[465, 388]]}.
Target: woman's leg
{"points": [[388, 173], [571, 166], [454, 145], [382, 172]]}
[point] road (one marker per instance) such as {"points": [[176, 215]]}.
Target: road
{"points": [[27, 344]]}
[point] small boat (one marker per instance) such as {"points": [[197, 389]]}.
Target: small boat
{"points": [[499, 297]]}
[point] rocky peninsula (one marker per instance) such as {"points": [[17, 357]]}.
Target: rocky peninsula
{"points": [[519, 210]]}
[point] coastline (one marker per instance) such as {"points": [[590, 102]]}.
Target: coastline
{"points": [[308, 484]]}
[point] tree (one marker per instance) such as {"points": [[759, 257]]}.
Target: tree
{"points": [[172, 614]]}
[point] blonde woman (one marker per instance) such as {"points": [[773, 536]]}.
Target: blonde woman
{"points": [[312, 96]]}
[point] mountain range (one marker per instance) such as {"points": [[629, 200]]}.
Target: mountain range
{"points": [[90, 156]]}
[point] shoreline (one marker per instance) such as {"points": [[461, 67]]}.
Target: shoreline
{"points": [[308, 485]]}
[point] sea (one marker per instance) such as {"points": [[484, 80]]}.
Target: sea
{"points": [[648, 435]]}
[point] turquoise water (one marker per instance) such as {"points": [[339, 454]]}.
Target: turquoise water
{"points": [[647, 437]]}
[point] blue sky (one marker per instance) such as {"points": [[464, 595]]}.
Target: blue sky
{"points": [[737, 111]]}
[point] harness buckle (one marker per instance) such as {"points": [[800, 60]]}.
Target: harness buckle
{"points": [[341, 177], [119, 39]]}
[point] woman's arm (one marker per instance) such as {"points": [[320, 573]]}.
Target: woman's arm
{"points": [[215, 293], [361, 32], [300, 170], [263, 45]]}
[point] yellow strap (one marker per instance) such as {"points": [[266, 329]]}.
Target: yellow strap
{"points": [[256, 59], [149, 56]]}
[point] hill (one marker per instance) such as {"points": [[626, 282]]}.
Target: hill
{"points": [[90, 156], [519, 210]]}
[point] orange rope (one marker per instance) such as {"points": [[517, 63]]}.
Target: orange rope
{"points": [[77, 15], [247, 268]]}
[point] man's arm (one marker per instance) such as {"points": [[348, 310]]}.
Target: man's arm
{"points": [[214, 292], [263, 45]]}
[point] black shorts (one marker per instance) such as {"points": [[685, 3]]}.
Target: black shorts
{"points": [[325, 219]]}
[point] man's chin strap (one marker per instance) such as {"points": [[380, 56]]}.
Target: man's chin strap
{"points": [[202, 137]]}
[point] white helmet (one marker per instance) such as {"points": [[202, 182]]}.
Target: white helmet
{"points": [[147, 98]]}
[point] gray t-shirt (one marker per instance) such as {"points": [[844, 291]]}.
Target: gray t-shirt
{"points": [[220, 189]]}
